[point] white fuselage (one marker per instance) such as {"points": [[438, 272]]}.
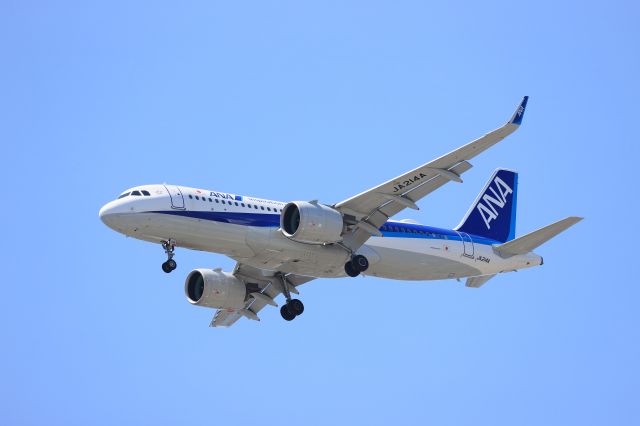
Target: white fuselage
{"points": [[247, 230]]}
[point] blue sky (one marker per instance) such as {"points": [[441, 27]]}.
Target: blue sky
{"points": [[322, 100]]}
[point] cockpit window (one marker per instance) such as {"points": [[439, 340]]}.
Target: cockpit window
{"points": [[145, 193], [137, 193], [124, 195]]}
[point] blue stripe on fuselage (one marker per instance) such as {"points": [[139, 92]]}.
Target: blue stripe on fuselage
{"points": [[406, 230], [247, 219], [389, 229]]}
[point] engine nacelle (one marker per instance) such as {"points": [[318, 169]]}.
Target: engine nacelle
{"points": [[311, 223], [214, 289]]}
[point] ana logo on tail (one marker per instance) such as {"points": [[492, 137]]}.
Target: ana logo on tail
{"points": [[487, 206]]}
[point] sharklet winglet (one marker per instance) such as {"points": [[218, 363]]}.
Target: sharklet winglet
{"points": [[519, 114]]}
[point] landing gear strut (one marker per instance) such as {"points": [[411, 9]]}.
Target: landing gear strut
{"points": [[356, 265], [293, 307], [169, 248]]}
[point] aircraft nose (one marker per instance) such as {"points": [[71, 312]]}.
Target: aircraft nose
{"points": [[105, 211], [119, 215], [110, 212]]}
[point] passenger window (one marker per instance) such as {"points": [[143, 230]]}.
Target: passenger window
{"points": [[223, 202], [217, 201], [242, 204], [145, 193], [191, 196], [210, 200], [256, 207], [236, 203], [268, 208], [197, 198], [262, 207], [136, 193]]}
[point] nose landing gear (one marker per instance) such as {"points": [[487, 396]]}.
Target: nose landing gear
{"points": [[169, 248], [356, 265]]}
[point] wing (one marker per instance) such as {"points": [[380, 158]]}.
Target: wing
{"points": [[365, 213], [262, 288]]}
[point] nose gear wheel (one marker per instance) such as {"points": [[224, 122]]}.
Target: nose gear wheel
{"points": [[169, 247]]}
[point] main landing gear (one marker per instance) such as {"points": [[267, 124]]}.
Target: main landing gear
{"points": [[169, 248], [356, 265], [293, 307]]}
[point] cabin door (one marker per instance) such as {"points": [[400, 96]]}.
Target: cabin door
{"points": [[467, 244], [177, 200]]}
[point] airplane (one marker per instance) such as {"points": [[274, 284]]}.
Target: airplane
{"points": [[278, 246]]}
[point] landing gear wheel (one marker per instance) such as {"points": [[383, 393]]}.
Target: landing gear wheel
{"points": [[169, 247], [286, 313], [350, 269], [295, 306], [171, 264], [360, 263]]}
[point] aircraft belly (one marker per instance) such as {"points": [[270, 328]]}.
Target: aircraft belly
{"points": [[193, 233], [267, 248], [420, 259], [273, 251]]}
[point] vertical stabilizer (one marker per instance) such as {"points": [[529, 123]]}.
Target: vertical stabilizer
{"points": [[493, 213]]}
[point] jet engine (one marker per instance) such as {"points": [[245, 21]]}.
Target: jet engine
{"points": [[214, 289], [311, 223]]}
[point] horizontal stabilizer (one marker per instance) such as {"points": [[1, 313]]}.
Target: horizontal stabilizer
{"points": [[535, 239], [477, 282]]}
